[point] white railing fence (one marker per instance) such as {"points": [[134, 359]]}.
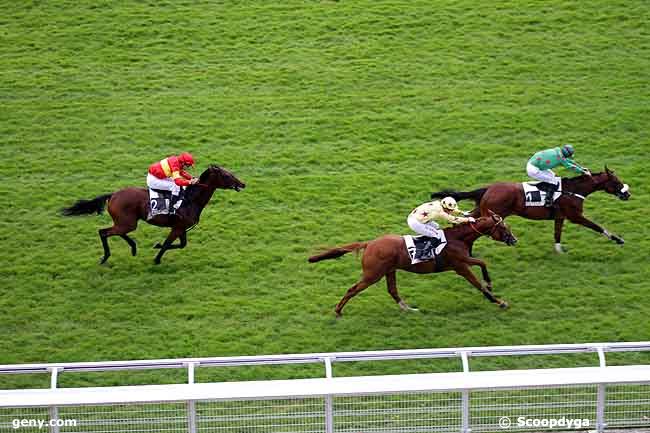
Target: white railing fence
{"points": [[596, 398]]}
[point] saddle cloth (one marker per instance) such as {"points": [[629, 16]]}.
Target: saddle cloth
{"points": [[424, 248], [159, 202], [535, 197]]}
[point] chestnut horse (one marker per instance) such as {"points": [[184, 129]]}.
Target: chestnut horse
{"points": [[129, 205], [508, 199], [384, 255]]}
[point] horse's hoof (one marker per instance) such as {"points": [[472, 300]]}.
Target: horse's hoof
{"points": [[338, 315], [559, 249], [157, 246], [503, 305], [103, 260], [156, 261], [618, 240], [406, 307], [133, 252]]}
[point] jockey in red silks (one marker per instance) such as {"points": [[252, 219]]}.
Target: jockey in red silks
{"points": [[169, 175]]}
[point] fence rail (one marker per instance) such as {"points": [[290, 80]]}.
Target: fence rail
{"points": [[329, 358], [597, 398]]}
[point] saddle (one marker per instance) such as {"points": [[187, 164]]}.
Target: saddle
{"points": [[159, 202], [424, 248], [535, 193]]}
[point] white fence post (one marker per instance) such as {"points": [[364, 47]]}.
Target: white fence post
{"points": [[54, 411], [191, 405], [465, 405], [600, 403], [329, 404]]}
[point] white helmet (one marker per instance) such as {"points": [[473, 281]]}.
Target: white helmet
{"points": [[449, 204]]}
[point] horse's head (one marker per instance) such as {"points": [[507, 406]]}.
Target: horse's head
{"points": [[612, 185], [219, 177], [495, 227]]}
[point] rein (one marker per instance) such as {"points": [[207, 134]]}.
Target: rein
{"points": [[581, 197], [486, 234]]}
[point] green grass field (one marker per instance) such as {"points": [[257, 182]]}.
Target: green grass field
{"points": [[340, 117]]}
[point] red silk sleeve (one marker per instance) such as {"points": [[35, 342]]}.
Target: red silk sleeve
{"points": [[186, 175], [181, 182]]}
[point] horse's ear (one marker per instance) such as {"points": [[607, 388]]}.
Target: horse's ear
{"points": [[607, 170]]}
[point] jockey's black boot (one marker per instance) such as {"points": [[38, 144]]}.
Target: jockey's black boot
{"points": [[425, 248], [550, 192]]}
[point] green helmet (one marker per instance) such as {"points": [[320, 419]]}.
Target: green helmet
{"points": [[567, 151]]}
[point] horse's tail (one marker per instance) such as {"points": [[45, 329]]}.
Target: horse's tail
{"points": [[475, 195], [338, 252], [86, 207]]}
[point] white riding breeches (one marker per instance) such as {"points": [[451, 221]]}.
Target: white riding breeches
{"points": [[431, 228], [543, 175], [166, 184]]}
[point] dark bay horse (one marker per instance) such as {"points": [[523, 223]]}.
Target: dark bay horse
{"points": [[128, 206], [387, 254], [508, 199]]}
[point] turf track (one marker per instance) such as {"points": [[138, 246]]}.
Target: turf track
{"points": [[341, 117]]}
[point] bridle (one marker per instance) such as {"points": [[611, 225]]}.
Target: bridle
{"points": [[499, 222]]}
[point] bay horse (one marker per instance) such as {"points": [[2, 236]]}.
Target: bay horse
{"points": [[508, 199], [128, 206], [386, 254]]}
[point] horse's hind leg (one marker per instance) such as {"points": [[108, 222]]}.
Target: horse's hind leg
{"points": [[103, 235], [353, 291], [121, 230], [391, 284], [131, 242]]}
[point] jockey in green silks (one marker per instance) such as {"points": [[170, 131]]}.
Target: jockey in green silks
{"points": [[540, 164]]}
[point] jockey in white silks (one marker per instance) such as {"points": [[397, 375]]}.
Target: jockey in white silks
{"points": [[422, 219]]}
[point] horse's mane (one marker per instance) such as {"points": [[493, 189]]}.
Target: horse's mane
{"points": [[457, 228], [578, 178], [206, 172], [193, 190], [571, 181]]}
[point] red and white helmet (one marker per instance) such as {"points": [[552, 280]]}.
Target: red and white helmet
{"points": [[449, 204], [186, 159]]}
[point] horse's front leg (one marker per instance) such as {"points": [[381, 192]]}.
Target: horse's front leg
{"points": [[175, 233], [580, 219], [181, 245], [559, 223], [486, 276], [464, 271]]}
